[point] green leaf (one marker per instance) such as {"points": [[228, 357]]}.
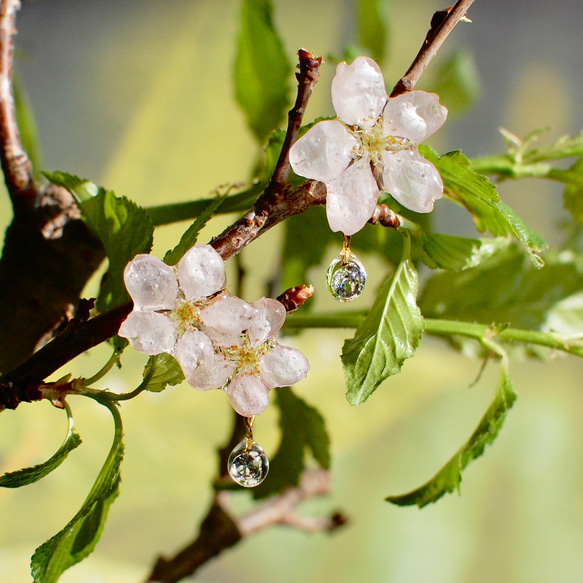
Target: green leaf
{"points": [[161, 371], [80, 188], [573, 196], [457, 82], [478, 195], [34, 474], [26, 123], [302, 429], [372, 30], [190, 236], [78, 539], [387, 337], [262, 69], [449, 477], [125, 230], [474, 191], [565, 147], [505, 290], [532, 242], [459, 253]]}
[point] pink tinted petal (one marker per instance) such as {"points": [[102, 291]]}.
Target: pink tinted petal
{"points": [[411, 180], [268, 319], [214, 376], [201, 272], [323, 152], [358, 92], [351, 198], [194, 351], [248, 395], [226, 318], [151, 283], [415, 115], [283, 366], [149, 332]]}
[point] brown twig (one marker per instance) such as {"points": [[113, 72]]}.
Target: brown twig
{"points": [[433, 41], [220, 530], [384, 216], [269, 210], [309, 73], [21, 384], [280, 509], [295, 297], [15, 163]]}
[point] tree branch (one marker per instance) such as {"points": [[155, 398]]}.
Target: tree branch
{"points": [[280, 509], [220, 531], [49, 254], [441, 27], [15, 163], [309, 73]]}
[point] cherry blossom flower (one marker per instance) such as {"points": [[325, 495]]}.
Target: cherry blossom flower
{"points": [[372, 146], [169, 303], [219, 340], [244, 336]]}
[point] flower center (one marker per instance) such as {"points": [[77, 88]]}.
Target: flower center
{"points": [[246, 356], [373, 141], [187, 315]]}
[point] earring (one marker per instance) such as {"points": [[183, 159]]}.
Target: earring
{"points": [[346, 275], [248, 465]]}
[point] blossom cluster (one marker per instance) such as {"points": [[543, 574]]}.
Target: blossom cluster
{"points": [[219, 340], [372, 146]]}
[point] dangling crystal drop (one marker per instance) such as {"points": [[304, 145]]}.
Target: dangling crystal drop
{"points": [[248, 465], [346, 275]]}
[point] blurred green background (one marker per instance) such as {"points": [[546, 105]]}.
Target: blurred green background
{"points": [[137, 96]]}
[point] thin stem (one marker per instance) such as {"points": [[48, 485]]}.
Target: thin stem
{"points": [[113, 360], [307, 77], [504, 165], [332, 320], [571, 345], [114, 397], [480, 332], [182, 211], [433, 41], [15, 163]]}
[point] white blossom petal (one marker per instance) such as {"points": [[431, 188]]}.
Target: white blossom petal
{"points": [[213, 376], [411, 180], [351, 198], [201, 272], [149, 332], [226, 318], [267, 321], [151, 283], [414, 115], [194, 351], [324, 152], [283, 366], [248, 395], [358, 92]]}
